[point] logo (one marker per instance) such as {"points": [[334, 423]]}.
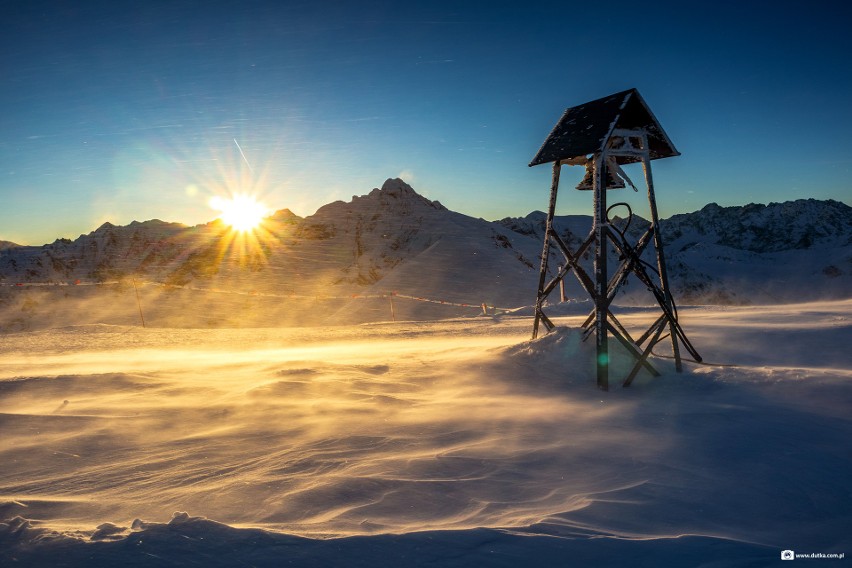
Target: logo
{"points": [[788, 555]]}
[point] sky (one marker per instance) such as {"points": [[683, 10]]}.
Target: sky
{"points": [[118, 111]]}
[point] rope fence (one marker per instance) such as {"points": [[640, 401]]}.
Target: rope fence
{"points": [[486, 308]]}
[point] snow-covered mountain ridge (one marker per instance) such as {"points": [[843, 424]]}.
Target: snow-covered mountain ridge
{"points": [[791, 225], [393, 240], [781, 252]]}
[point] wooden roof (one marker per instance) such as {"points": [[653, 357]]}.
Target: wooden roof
{"points": [[585, 129]]}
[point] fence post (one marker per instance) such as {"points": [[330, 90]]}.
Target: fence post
{"points": [[138, 303]]}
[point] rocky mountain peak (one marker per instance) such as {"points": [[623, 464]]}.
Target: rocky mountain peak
{"points": [[397, 186], [394, 197], [284, 215], [395, 189]]}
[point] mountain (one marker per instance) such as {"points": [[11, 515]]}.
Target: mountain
{"points": [[339, 265], [393, 253], [793, 225], [782, 252], [394, 240]]}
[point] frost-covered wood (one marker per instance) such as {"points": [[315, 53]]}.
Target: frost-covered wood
{"points": [[615, 130]]}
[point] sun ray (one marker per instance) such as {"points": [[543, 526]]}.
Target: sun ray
{"points": [[242, 212]]}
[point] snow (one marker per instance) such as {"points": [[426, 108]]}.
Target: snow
{"points": [[298, 271], [454, 443], [218, 436]]}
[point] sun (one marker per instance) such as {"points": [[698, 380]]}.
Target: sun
{"points": [[242, 212]]}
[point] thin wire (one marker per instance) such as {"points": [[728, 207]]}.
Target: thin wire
{"points": [[670, 313]]}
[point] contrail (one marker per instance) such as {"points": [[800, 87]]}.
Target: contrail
{"points": [[243, 155]]}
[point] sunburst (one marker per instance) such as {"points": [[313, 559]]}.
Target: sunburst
{"points": [[242, 212]]}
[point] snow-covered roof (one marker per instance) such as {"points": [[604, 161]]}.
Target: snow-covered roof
{"points": [[586, 129]]}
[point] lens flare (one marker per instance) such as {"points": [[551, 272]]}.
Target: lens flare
{"points": [[242, 212]]}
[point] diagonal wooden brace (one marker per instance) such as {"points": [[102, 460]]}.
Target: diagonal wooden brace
{"points": [[661, 325]]}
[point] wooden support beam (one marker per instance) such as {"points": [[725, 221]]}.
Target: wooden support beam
{"points": [[650, 330], [641, 360], [629, 264], [661, 258], [644, 356], [573, 261], [601, 227], [542, 277]]}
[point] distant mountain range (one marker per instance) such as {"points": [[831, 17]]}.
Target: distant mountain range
{"points": [[782, 252], [394, 240]]}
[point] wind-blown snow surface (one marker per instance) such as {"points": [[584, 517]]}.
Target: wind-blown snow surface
{"points": [[451, 443]]}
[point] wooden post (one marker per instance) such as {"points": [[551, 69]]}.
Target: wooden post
{"points": [[661, 259], [393, 312], [548, 228], [138, 302], [601, 280], [561, 287]]}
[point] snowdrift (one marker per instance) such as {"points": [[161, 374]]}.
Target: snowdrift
{"points": [[457, 443]]}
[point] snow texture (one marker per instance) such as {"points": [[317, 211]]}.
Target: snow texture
{"points": [[451, 443], [409, 420]]}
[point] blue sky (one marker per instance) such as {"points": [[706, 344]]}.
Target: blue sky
{"points": [[117, 113]]}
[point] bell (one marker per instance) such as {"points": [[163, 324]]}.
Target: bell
{"points": [[588, 181]]}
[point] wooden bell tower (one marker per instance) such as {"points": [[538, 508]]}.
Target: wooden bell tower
{"points": [[603, 135]]}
